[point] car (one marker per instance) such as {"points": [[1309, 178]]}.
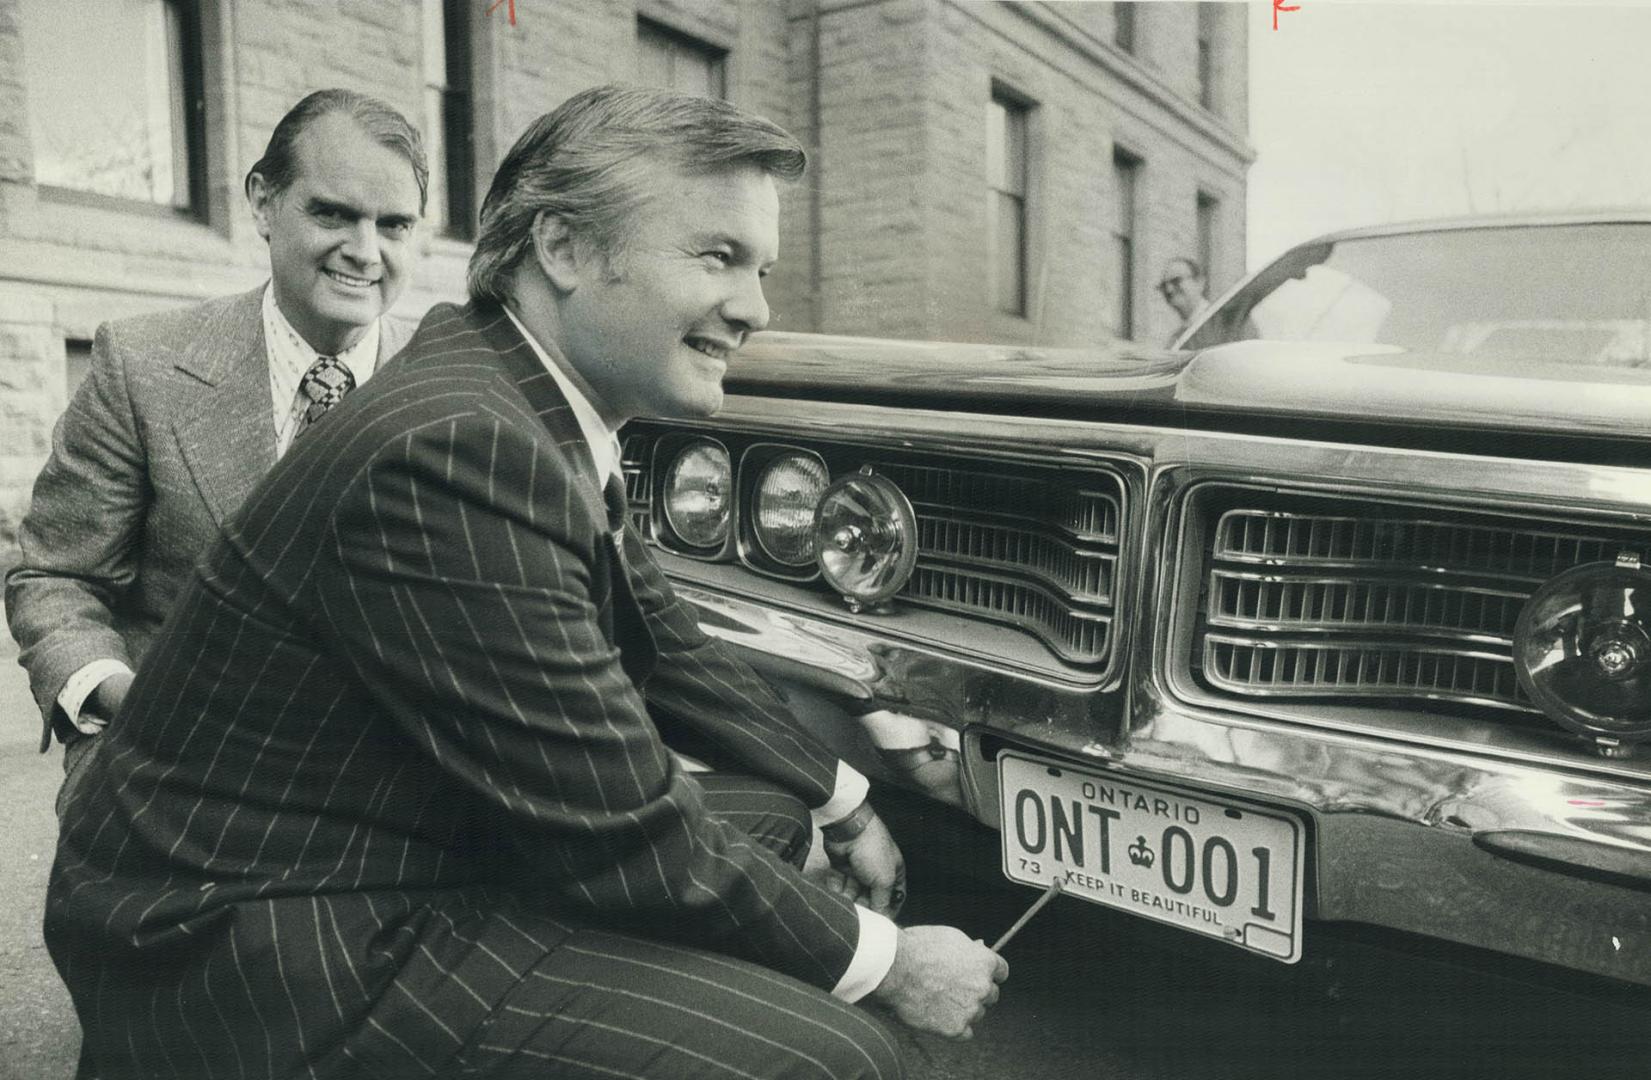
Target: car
{"points": [[1266, 640], [1502, 289]]}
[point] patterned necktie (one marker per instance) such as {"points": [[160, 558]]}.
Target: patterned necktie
{"points": [[324, 385]]}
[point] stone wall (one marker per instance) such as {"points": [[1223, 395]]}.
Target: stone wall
{"points": [[885, 236], [905, 234]]}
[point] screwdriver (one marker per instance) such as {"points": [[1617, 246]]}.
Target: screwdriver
{"points": [[1037, 905]]}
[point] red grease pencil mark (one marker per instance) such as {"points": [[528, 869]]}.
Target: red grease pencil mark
{"points": [[512, 11], [1278, 6]]}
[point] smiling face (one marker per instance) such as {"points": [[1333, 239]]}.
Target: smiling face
{"points": [[652, 329], [341, 234]]}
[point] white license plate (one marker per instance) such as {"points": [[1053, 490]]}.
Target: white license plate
{"points": [[1211, 865]]}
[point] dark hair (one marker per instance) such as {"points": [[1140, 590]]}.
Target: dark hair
{"points": [[386, 126], [587, 162]]}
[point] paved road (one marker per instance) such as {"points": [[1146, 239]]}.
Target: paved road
{"points": [[1091, 993], [38, 1034]]}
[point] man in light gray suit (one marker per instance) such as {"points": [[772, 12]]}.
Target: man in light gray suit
{"points": [[184, 411]]}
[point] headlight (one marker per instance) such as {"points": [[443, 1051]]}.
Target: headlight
{"points": [[865, 538], [697, 487], [1583, 652], [782, 517]]}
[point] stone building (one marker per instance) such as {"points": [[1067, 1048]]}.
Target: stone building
{"points": [[1007, 172]]}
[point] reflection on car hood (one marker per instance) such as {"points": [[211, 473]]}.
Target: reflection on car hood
{"points": [[1311, 381]]}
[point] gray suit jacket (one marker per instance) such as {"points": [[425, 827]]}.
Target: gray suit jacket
{"points": [[162, 441]]}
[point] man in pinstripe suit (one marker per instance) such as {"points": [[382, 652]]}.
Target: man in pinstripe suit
{"points": [[386, 800]]}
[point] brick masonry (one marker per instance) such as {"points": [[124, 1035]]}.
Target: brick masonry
{"points": [[886, 236]]}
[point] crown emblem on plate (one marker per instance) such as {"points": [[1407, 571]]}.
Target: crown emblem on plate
{"points": [[1139, 853]]}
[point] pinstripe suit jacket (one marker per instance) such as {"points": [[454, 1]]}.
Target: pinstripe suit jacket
{"points": [[391, 746], [162, 441]]}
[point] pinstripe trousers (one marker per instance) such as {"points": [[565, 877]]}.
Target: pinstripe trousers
{"points": [[607, 1004], [604, 1003]]}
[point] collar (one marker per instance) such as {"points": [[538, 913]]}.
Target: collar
{"points": [[602, 441], [290, 356]]}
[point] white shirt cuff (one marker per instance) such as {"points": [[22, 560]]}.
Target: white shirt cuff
{"points": [[849, 793], [873, 956], [80, 686]]}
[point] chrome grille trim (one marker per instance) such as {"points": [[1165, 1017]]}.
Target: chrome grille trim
{"points": [[1082, 574], [1325, 597], [634, 453], [1315, 604], [1024, 544], [1082, 513], [1036, 549], [1318, 669], [1075, 635], [1277, 537]]}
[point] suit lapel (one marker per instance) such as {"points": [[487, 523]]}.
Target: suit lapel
{"points": [[622, 615], [227, 435], [545, 398]]}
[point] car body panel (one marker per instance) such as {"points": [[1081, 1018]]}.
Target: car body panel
{"points": [[1305, 380], [1435, 818]]}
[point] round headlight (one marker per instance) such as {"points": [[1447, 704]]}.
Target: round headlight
{"points": [[1582, 648], [697, 487], [782, 519], [865, 538]]}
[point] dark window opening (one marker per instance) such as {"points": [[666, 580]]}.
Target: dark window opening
{"points": [[449, 122], [1126, 169], [1006, 179], [668, 58], [1207, 14], [1209, 210], [77, 361], [1123, 25]]}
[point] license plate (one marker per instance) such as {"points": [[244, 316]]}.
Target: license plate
{"points": [[1211, 865]]}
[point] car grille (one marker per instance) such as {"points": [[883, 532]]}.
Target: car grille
{"points": [[1025, 546], [1036, 551], [639, 480], [1308, 598]]}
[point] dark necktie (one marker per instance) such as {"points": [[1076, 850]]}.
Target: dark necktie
{"points": [[628, 625], [324, 384], [613, 494]]}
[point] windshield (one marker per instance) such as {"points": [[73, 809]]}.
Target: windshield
{"points": [[1577, 294]]}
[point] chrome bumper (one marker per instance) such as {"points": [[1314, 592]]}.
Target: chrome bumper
{"points": [[1548, 865]]}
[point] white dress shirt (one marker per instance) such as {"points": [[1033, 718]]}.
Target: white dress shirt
{"points": [[290, 356], [874, 954]]}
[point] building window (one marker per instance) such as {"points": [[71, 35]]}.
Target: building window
{"points": [[115, 106], [1006, 167], [1126, 168], [1209, 211], [77, 361], [1207, 14], [1123, 25], [448, 118], [668, 58]]}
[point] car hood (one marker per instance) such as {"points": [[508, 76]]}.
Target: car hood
{"points": [[1309, 381]]}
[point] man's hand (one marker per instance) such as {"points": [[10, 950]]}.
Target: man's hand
{"points": [[105, 701], [941, 981], [873, 859]]}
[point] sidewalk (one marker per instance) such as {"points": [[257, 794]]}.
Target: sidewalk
{"points": [[39, 1038]]}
